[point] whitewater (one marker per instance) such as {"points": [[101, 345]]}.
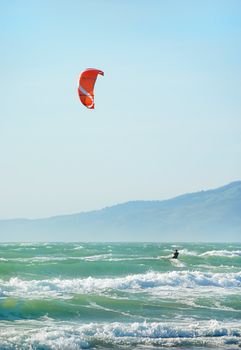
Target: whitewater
{"points": [[120, 296]]}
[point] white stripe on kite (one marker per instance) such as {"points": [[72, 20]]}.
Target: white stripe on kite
{"points": [[86, 94]]}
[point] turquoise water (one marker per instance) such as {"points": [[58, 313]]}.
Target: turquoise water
{"points": [[120, 296]]}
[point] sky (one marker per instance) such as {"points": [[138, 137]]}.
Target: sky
{"points": [[168, 110]]}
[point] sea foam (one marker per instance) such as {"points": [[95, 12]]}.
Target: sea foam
{"points": [[57, 287], [73, 336]]}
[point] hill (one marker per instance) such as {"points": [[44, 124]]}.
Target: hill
{"points": [[213, 215]]}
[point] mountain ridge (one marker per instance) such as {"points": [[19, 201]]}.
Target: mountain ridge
{"points": [[214, 213]]}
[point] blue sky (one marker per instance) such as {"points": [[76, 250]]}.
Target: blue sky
{"points": [[168, 110]]}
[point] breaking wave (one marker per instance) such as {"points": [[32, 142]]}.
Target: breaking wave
{"points": [[57, 287], [73, 336]]}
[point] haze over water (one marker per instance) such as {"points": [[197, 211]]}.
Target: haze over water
{"points": [[131, 295]]}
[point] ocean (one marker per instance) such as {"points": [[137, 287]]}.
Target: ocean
{"points": [[120, 296]]}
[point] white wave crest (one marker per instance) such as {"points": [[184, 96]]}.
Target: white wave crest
{"points": [[50, 258], [73, 336], [79, 247], [148, 282], [3, 259], [97, 257], [224, 253]]}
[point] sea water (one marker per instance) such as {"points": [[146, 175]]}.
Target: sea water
{"points": [[120, 296]]}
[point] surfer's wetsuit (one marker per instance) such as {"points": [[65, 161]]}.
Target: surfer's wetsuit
{"points": [[175, 254]]}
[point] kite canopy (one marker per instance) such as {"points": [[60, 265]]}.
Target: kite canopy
{"points": [[87, 81]]}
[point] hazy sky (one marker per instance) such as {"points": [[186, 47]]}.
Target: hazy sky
{"points": [[168, 110]]}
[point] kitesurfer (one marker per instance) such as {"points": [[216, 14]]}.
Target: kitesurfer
{"points": [[175, 254]]}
